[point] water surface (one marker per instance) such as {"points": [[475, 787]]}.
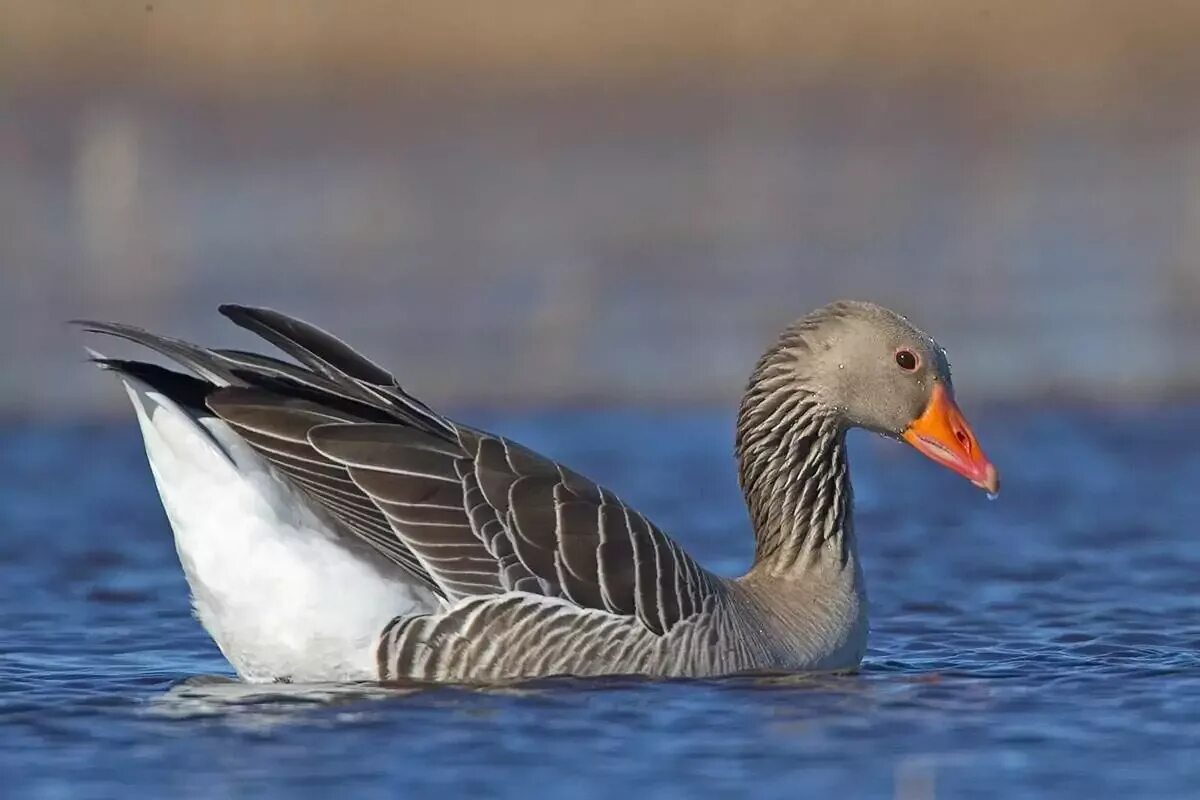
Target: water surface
{"points": [[1045, 644]]}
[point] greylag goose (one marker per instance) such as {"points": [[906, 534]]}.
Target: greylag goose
{"points": [[333, 527]]}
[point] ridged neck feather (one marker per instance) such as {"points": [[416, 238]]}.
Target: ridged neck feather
{"points": [[792, 465]]}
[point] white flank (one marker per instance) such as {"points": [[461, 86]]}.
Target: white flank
{"points": [[282, 594]]}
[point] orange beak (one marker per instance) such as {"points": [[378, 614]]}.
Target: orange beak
{"points": [[941, 434]]}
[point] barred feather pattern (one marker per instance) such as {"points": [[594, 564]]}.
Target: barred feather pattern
{"points": [[272, 404], [513, 636], [539, 570], [792, 462]]}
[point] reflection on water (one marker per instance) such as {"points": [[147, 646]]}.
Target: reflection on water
{"points": [[256, 706], [260, 706], [1047, 644]]}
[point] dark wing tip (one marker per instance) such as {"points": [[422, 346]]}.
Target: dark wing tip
{"points": [[118, 329], [187, 391], [256, 317], [266, 316], [99, 326], [230, 396], [232, 309], [240, 314], [315, 347]]}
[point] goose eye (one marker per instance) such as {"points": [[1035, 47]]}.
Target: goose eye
{"points": [[907, 360]]}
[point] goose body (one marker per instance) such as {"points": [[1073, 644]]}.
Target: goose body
{"points": [[333, 527]]}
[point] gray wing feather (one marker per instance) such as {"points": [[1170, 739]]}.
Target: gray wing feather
{"points": [[272, 403], [198, 360], [327, 355], [513, 636], [416, 481], [537, 526], [466, 512], [277, 428]]}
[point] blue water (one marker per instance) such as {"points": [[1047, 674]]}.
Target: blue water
{"points": [[1047, 644]]}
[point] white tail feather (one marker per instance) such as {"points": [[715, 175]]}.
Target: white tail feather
{"points": [[282, 594]]}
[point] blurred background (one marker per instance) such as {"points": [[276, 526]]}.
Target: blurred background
{"points": [[579, 223], [558, 202]]}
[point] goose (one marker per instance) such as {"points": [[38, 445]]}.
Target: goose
{"points": [[333, 527]]}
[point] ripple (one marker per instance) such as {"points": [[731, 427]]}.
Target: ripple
{"points": [[1017, 649]]}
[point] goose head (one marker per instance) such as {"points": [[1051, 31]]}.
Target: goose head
{"points": [[864, 366]]}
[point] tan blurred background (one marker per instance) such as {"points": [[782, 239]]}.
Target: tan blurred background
{"points": [[545, 201]]}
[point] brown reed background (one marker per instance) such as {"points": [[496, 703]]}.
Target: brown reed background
{"points": [[539, 202]]}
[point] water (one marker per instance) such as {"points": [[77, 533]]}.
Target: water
{"points": [[1046, 644]]}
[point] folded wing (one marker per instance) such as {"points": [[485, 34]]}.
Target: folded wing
{"points": [[466, 512], [531, 522]]}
